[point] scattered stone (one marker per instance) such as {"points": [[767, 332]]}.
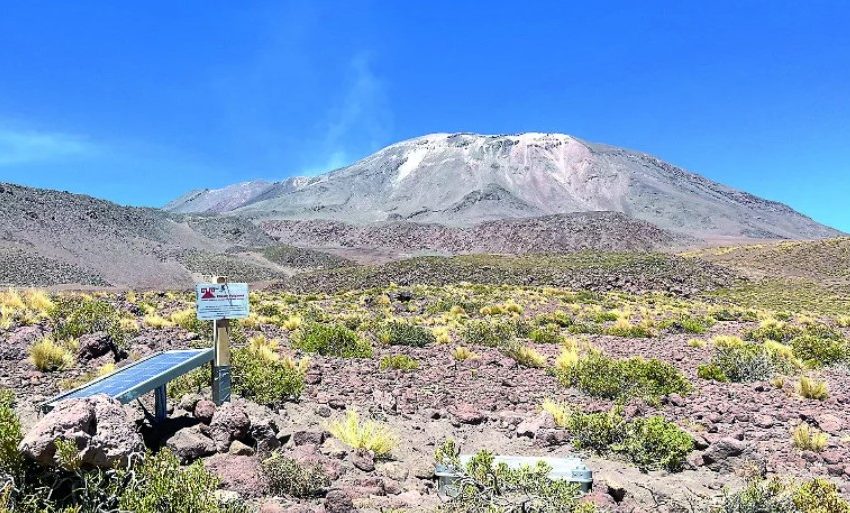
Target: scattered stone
{"points": [[189, 444], [229, 422], [337, 501], [363, 460], [204, 410], [238, 448], [467, 414]]}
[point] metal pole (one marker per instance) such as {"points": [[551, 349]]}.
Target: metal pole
{"points": [[221, 363]]}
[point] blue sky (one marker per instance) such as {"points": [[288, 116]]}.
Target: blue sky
{"points": [[138, 102]]}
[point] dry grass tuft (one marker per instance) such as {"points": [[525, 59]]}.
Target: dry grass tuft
{"points": [[366, 434]]}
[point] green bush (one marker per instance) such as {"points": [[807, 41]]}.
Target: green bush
{"points": [[489, 333], [10, 435], [712, 372], [773, 330], [73, 318], [400, 333], [162, 485], [654, 442], [818, 495], [602, 376], [546, 334], [558, 318], [689, 324], [767, 496], [748, 362], [267, 381], [816, 351], [332, 340], [288, 477], [649, 443], [191, 382], [485, 486]]}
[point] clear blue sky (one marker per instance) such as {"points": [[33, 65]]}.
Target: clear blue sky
{"points": [[140, 103]]}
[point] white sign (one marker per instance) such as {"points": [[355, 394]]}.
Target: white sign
{"points": [[222, 301]]}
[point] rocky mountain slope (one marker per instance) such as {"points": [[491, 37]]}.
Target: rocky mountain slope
{"points": [[465, 179], [51, 238], [607, 231]]}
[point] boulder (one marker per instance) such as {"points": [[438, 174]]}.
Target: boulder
{"points": [[229, 423], [337, 501], [242, 474], [204, 410], [467, 414], [94, 345], [189, 444], [99, 427], [717, 455]]}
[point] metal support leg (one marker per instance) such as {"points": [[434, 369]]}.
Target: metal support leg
{"points": [[160, 404], [221, 384]]}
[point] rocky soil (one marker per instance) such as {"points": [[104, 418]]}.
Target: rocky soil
{"points": [[488, 402]]}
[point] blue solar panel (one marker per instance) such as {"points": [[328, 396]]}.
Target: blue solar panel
{"points": [[141, 377]]}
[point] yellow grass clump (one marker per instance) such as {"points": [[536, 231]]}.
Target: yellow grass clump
{"points": [[461, 353], [807, 438], [47, 355], [559, 411], [156, 321], [811, 388], [365, 434]]}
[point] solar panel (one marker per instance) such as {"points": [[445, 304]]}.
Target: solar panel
{"points": [[139, 378]]}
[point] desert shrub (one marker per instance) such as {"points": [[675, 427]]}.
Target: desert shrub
{"points": [[820, 496], [734, 314], [291, 323], [287, 476], [162, 485], [811, 388], [558, 318], [712, 372], [73, 318], [400, 333], [267, 379], [524, 355], [47, 355], [649, 443], [546, 334], [483, 485], [10, 435], [773, 330], [461, 353], [400, 362], [588, 328], [653, 442], [816, 351], [602, 376], [748, 362], [624, 328], [697, 342], [689, 324], [366, 434], [332, 340], [602, 317], [768, 496], [807, 438], [493, 333], [600, 432]]}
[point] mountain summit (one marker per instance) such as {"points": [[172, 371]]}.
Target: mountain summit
{"points": [[466, 179]]}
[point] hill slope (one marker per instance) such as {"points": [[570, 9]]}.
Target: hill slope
{"points": [[50, 238], [465, 179]]}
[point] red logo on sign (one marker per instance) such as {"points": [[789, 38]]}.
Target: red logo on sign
{"points": [[207, 293]]}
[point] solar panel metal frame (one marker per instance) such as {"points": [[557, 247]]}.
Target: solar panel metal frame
{"points": [[154, 383]]}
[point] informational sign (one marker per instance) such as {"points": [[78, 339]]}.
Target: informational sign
{"points": [[222, 301]]}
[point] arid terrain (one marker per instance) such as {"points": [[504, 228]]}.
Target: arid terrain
{"points": [[685, 383]]}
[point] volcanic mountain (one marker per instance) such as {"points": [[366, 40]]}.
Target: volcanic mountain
{"points": [[467, 179]]}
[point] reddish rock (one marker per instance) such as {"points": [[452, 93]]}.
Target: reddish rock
{"points": [[467, 414], [242, 474], [204, 410]]}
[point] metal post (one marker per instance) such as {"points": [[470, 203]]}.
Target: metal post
{"points": [[221, 363], [160, 403]]}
